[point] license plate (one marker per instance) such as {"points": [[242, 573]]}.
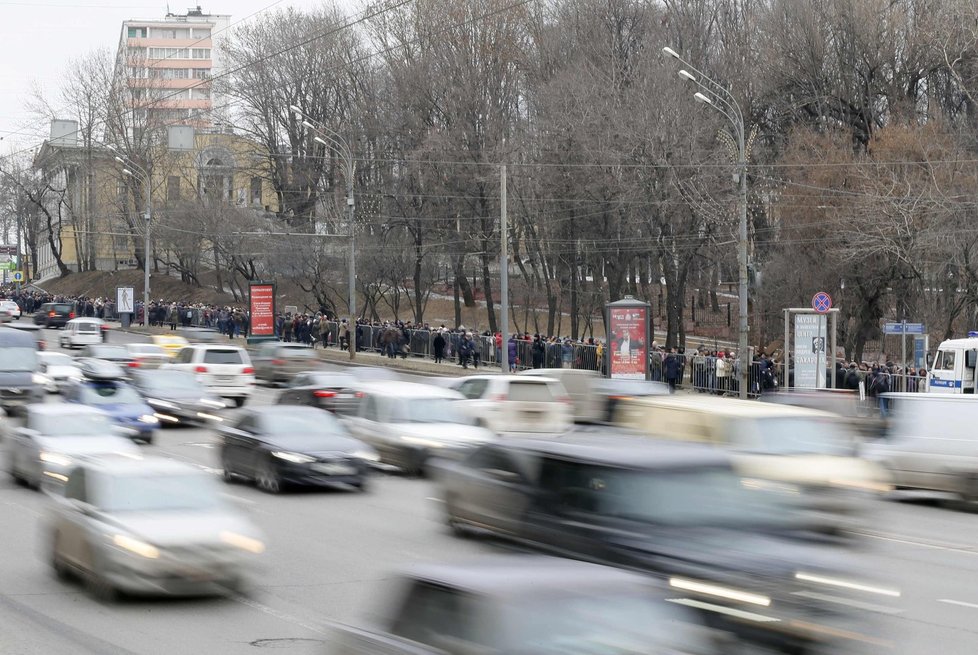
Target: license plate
{"points": [[225, 378], [334, 469], [344, 396]]}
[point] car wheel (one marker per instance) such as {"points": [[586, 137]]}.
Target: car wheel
{"points": [[226, 473], [268, 478], [99, 587], [240, 401], [457, 527], [363, 486]]}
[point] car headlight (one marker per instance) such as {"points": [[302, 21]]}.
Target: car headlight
{"points": [[149, 551], [40, 378], [250, 544], [296, 458], [149, 418], [846, 584], [368, 455], [156, 402], [55, 458], [421, 441], [727, 593]]}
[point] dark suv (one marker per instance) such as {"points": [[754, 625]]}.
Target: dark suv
{"points": [[54, 314]]}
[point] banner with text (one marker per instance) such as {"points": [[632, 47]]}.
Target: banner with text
{"points": [[262, 302], [810, 357], [629, 352]]}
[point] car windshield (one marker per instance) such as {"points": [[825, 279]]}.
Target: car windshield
{"points": [[145, 349], [111, 393], [591, 624], [329, 380], [212, 356], [18, 359], [530, 391], [72, 424], [690, 497], [170, 381], [157, 493], [297, 353], [301, 424], [108, 352], [57, 359], [428, 410], [792, 436]]}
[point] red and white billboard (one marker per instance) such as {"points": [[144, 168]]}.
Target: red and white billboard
{"points": [[629, 354], [262, 303]]}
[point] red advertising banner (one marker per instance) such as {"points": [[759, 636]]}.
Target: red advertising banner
{"points": [[262, 303], [626, 341]]}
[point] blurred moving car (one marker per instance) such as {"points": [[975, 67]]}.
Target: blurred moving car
{"points": [[333, 391], [373, 373], [54, 436], [525, 605], [103, 388], [115, 353], [54, 314], [149, 526], [282, 445], [10, 307], [177, 397], [81, 332], [277, 362], [579, 385], [58, 369], [225, 370], [516, 403], [6, 316], [20, 383], [171, 344], [36, 332], [407, 423], [146, 355], [727, 547], [612, 391]]}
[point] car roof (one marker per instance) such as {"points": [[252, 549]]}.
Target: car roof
{"points": [[86, 319], [520, 575], [398, 389], [141, 464], [614, 447], [214, 346], [62, 409]]}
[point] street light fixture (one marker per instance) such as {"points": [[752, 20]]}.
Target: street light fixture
{"points": [[330, 139], [141, 173], [714, 95]]}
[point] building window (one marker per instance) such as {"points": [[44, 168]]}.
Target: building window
{"points": [[202, 53], [169, 33], [169, 53], [201, 33], [137, 32], [202, 73], [201, 94], [173, 189], [256, 184]]}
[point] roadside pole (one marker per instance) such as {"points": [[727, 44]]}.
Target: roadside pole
{"points": [[503, 275]]}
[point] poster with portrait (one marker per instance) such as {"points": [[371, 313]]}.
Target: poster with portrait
{"points": [[628, 350]]}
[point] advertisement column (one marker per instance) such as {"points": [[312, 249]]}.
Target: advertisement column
{"points": [[628, 348], [262, 303]]}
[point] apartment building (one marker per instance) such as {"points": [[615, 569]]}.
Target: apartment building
{"points": [[167, 64]]}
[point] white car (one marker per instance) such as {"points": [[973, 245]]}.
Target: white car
{"points": [[407, 423], [11, 307], [80, 332], [226, 371], [54, 436], [517, 403], [58, 370], [149, 526]]}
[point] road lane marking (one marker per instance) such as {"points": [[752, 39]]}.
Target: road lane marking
{"points": [[271, 611], [955, 548], [958, 602]]}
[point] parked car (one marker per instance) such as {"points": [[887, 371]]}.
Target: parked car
{"points": [[58, 370], [330, 390], [147, 355], [12, 308], [516, 403], [20, 383], [680, 511], [102, 389], [149, 526], [177, 397], [82, 332], [277, 362], [54, 436], [407, 423], [224, 370], [54, 314], [278, 445], [525, 605]]}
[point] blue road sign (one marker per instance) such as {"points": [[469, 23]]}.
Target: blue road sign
{"points": [[904, 328], [821, 302]]}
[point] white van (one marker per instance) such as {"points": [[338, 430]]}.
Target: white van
{"points": [[953, 370], [80, 332]]}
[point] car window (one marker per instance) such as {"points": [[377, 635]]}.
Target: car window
{"points": [[265, 350], [472, 389], [300, 380], [18, 359], [225, 356], [492, 458], [435, 615], [246, 424], [163, 492], [530, 391], [428, 410], [186, 356], [111, 393], [370, 409], [75, 487], [69, 424], [301, 424], [297, 352]]}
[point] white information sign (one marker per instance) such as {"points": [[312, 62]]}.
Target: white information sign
{"points": [[125, 300], [809, 364]]}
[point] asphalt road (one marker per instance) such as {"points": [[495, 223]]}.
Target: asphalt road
{"points": [[330, 553]]}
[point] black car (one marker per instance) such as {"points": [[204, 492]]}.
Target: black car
{"points": [[333, 391], [54, 314], [177, 398], [732, 550], [282, 445]]}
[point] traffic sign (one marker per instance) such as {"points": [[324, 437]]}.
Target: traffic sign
{"points": [[18, 276], [904, 328], [821, 302]]}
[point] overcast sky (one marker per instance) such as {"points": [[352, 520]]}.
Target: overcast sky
{"points": [[40, 37]]}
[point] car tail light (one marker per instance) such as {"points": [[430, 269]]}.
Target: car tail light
{"points": [[201, 369], [71, 314], [50, 314], [134, 364], [247, 370], [278, 362], [358, 394], [499, 397], [324, 394]]}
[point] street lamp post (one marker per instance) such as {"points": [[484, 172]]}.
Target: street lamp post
{"points": [[332, 140], [717, 97], [129, 165]]}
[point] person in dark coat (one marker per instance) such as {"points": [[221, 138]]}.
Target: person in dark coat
{"points": [[673, 369], [439, 346], [511, 352]]}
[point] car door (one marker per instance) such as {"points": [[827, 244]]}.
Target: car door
{"points": [[493, 490], [290, 395], [235, 445], [262, 361], [70, 528]]}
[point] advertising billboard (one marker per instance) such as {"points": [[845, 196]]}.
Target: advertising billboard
{"points": [[627, 341], [261, 300]]}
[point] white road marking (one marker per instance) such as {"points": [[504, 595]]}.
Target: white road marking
{"points": [[261, 607], [956, 548], [958, 602]]}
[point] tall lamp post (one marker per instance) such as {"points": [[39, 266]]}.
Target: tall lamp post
{"points": [[718, 98], [136, 172], [331, 140]]}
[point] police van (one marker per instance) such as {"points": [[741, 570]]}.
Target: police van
{"points": [[953, 370]]}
